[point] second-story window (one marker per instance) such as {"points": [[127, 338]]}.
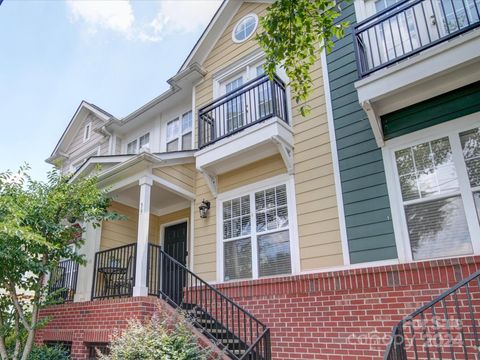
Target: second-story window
{"points": [[179, 133], [134, 146]]}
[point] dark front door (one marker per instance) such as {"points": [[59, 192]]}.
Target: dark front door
{"points": [[175, 245]]}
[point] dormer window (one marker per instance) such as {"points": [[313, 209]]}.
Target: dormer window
{"points": [[135, 146], [179, 133], [87, 132]]}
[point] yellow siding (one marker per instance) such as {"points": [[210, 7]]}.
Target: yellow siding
{"points": [[257, 171], [205, 239], [180, 175], [124, 232], [318, 225]]}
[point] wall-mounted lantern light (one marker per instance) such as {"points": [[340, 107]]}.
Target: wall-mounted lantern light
{"points": [[204, 207]]}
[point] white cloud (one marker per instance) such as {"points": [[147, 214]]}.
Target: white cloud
{"points": [[187, 15], [112, 15], [118, 15]]}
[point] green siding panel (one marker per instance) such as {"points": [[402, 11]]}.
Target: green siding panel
{"points": [[367, 209], [434, 111]]}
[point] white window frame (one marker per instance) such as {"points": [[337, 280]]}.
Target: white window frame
{"points": [[237, 41], [452, 129], [181, 132], [137, 139], [87, 131], [250, 190]]}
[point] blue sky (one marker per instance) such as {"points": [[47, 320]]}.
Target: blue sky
{"points": [[53, 54]]}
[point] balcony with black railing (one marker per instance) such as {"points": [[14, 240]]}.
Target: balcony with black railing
{"points": [[410, 27], [63, 281], [241, 124]]}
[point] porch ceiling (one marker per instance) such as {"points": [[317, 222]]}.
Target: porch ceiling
{"points": [[162, 201]]}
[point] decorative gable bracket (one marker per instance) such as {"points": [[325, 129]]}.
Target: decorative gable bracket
{"points": [[286, 151], [212, 182]]}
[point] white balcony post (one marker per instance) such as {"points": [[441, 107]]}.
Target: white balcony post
{"points": [[85, 273], [140, 288]]}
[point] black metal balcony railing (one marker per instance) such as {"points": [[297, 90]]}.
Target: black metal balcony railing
{"points": [[409, 27], [63, 281], [446, 328], [114, 272], [257, 100]]}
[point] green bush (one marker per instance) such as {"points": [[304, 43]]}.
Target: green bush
{"points": [[157, 340], [48, 353]]}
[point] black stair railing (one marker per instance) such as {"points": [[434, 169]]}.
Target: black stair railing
{"points": [[63, 281], [409, 27], [256, 101], [446, 328], [227, 324], [114, 272]]}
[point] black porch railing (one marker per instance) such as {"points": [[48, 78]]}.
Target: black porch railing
{"points": [[409, 27], [227, 324], [63, 281], [255, 101], [114, 272], [446, 328]]}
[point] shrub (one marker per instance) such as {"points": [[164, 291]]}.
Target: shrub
{"points": [[155, 340], [48, 353]]}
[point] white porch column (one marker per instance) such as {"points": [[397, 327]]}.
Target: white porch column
{"points": [[85, 273], [140, 288]]}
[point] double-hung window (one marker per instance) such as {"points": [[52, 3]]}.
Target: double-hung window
{"points": [[256, 234], [134, 146], [179, 133], [438, 182]]}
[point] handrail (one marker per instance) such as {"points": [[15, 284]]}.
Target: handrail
{"points": [[242, 89], [257, 100], [251, 349], [407, 28], [233, 328], [455, 306]]}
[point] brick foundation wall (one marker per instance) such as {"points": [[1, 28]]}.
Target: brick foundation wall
{"points": [[332, 315], [92, 321], [345, 314]]}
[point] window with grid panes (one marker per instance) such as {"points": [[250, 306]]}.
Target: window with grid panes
{"points": [[261, 249], [437, 180]]}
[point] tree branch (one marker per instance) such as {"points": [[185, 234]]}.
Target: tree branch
{"points": [[18, 307], [3, 348], [17, 338]]}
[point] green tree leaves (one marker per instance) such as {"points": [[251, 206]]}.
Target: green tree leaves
{"points": [[295, 33], [35, 235]]}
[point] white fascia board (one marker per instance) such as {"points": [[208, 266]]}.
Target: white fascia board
{"points": [[72, 125]]}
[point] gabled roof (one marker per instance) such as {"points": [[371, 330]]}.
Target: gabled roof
{"points": [[214, 30], [80, 114], [115, 163]]}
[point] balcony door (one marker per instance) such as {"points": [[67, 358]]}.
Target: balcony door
{"points": [[397, 36], [235, 107]]}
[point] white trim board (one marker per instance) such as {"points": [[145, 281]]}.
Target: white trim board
{"points": [[335, 161]]}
